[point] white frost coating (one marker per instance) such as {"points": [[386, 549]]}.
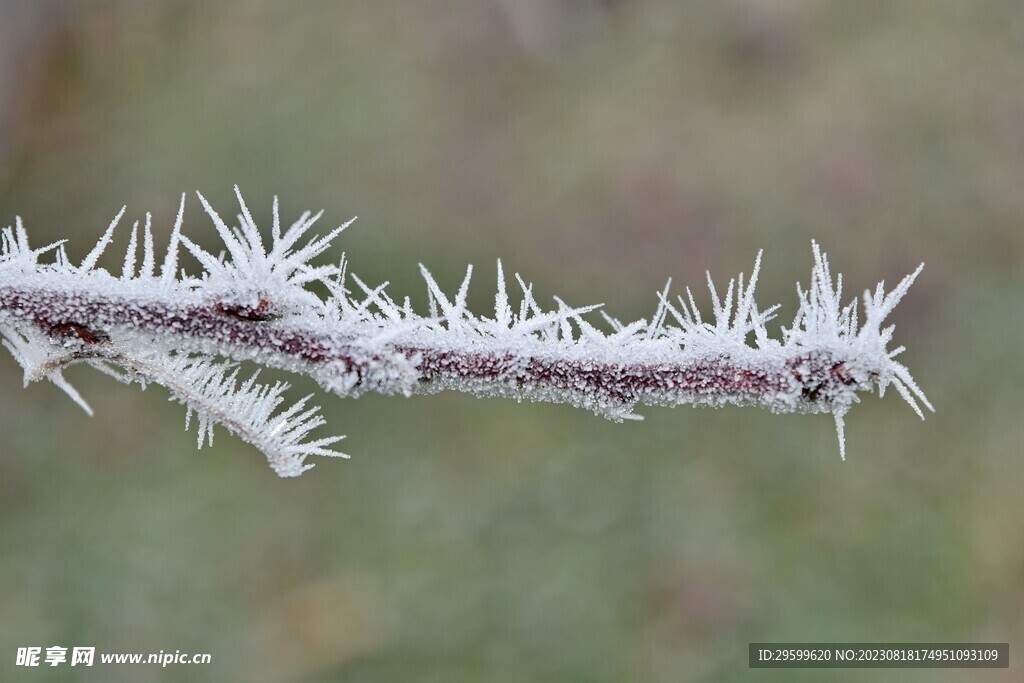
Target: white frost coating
{"points": [[41, 361], [210, 390], [253, 304]]}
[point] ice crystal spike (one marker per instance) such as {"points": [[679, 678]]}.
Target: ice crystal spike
{"points": [[254, 303]]}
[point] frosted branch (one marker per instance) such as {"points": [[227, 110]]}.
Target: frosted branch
{"points": [[256, 305]]}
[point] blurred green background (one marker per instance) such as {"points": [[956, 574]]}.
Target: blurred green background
{"points": [[597, 147]]}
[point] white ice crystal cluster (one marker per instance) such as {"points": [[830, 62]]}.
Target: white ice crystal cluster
{"points": [[250, 303]]}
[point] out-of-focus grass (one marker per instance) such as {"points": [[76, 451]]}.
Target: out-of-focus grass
{"points": [[598, 150]]}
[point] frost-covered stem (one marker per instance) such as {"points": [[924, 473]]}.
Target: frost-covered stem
{"points": [[81, 317], [255, 307]]}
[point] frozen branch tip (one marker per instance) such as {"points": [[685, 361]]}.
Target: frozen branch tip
{"points": [[254, 303]]}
